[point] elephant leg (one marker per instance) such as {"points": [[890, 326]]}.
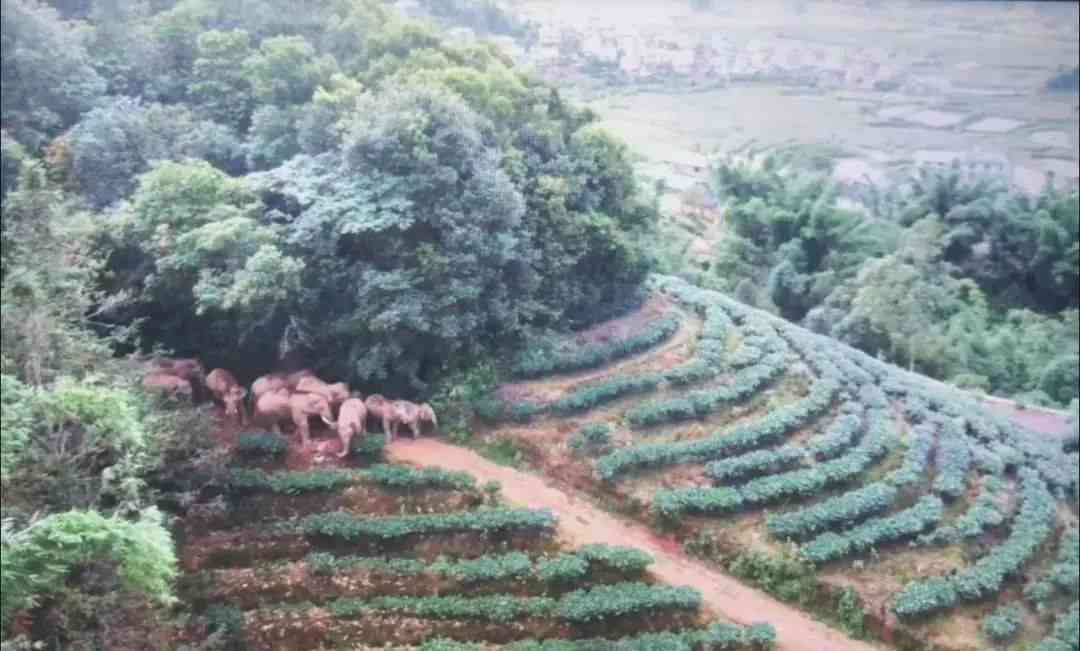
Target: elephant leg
{"points": [[414, 427], [388, 429], [346, 438]]}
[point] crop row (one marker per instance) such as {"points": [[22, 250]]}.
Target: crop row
{"points": [[1064, 576], [671, 504], [347, 526], [954, 460], [718, 637], [701, 403], [542, 360], [841, 511], [985, 512], [917, 457], [580, 606], [831, 546], [1066, 633], [387, 476], [406, 477], [1031, 528], [566, 568], [841, 435], [755, 464], [767, 430]]}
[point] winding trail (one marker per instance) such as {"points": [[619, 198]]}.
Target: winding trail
{"points": [[581, 523]]}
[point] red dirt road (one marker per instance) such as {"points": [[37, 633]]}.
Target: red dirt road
{"points": [[581, 523]]}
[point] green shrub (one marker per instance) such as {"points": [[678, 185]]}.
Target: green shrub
{"points": [[293, 482], [591, 439], [16, 422], [347, 526], [761, 637], [261, 446], [37, 560], [1003, 624], [542, 360], [407, 477], [841, 511], [765, 431], [1031, 527], [565, 569], [872, 533], [368, 448], [622, 599]]}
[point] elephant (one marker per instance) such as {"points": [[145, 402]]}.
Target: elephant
{"points": [[167, 385], [274, 406], [335, 394], [427, 415], [398, 413], [225, 388], [275, 381], [352, 420], [189, 369], [376, 404]]}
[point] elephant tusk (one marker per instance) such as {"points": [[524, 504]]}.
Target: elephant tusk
{"points": [[328, 421]]}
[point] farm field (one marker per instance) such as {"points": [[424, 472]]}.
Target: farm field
{"points": [[834, 481], [378, 555], [889, 84]]}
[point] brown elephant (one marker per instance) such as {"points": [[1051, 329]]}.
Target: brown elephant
{"points": [[275, 406], [225, 388], [188, 368], [275, 381], [168, 385], [335, 394], [352, 419], [398, 413], [427, 415], [376, 404]]}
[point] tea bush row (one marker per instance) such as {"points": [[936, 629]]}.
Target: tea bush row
{"points": [[765, 431], [755, 464], [831, 546], [1031, 528], [580, 606], [838, 512], [671, 504], [701, 403], [841, 435], [347, 526], [984, 513], [542, 361]]}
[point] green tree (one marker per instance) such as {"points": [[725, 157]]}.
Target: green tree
{"points": [[220, 86], [47, 76]]}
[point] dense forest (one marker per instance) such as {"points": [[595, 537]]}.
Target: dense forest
{"points": [[952, 276]]}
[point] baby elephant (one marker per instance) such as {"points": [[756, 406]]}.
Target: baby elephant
{"points": [[350, 422], [226, 389]]}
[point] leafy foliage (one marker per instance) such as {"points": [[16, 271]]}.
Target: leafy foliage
{"points": [[261, 446], [37, 560], [540, 361], [1003, 624], [591, 439], [872, 533], [350, 527]]}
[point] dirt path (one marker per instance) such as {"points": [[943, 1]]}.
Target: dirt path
{"points": [[580, 523]]}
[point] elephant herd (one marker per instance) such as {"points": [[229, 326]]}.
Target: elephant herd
{"points": [[295, 397]]}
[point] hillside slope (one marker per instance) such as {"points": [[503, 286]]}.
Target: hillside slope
{"points": [[806, 467]]}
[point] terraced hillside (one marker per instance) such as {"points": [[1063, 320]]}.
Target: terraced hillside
{"points": [[870, 495], [391, 556]]}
